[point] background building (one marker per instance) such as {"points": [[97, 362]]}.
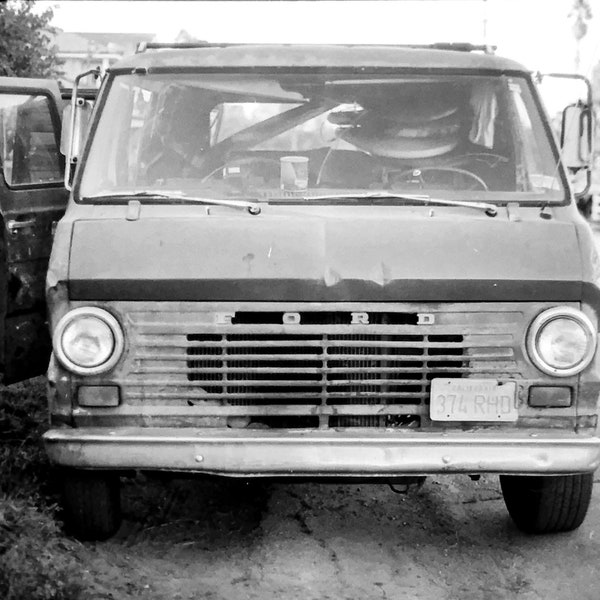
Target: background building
{"points": [[80, 51]]}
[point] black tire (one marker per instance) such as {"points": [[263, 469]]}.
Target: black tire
{"points": [[91, 504], [547, 504]]}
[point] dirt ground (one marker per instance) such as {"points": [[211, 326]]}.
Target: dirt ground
{"points": [[452, 539]]}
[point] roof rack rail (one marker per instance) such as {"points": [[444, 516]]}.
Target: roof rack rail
{"points": [[463, 47], [456, 46], [143, 46]]}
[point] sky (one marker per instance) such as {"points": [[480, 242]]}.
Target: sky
{"points": [[536, 33]]}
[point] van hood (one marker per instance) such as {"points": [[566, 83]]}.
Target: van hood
{"points": [[227, 255]]}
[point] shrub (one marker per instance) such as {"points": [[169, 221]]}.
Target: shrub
{"points": [[36, 562], [23, 463]]}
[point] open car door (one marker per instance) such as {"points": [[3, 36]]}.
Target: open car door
{"points": [[32, 199]]}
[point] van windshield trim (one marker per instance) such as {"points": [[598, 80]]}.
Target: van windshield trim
{"points": [[557, 193]]}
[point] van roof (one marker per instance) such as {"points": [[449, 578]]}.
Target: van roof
{"points": [[246, 56]]}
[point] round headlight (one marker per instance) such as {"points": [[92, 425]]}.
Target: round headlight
{"points": [[88, 341], [561, 341]]}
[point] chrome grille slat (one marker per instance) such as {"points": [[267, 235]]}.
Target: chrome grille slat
{"points": [[315, 347], [275, 370], [310, 382], [181, 356], [319, 344], [186, 395], [216, 410]]}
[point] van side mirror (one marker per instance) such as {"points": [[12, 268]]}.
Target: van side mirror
{"points": [[576, 146], [74, 139], [76, 118], [576, 124], [576, 136]]}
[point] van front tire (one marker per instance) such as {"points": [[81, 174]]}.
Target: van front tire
{"points": [[91, 504], [547, 504]]}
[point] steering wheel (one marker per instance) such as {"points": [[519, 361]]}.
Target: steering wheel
{"points": [[242, 161], [417, 174]]}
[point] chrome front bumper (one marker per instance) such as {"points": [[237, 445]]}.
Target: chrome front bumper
{"points": [[322, 454]]}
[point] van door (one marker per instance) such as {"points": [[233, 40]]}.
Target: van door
{"points": [[32, 199]]}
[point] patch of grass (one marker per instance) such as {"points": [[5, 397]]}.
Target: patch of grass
{"points": [[24, 467], [36, 561]]}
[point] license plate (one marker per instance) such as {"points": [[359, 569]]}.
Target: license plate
{"points": [[473, 400]]}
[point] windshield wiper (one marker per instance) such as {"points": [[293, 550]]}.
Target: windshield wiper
{"points": [[489, 209], [252, 206]]}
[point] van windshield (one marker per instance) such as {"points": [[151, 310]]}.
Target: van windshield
{"points": [[296, 136]]}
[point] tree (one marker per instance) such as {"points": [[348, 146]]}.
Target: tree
{"points": [[582, 12], [26, 48]]}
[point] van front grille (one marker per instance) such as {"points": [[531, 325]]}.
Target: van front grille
{"points": [[317, 375]]}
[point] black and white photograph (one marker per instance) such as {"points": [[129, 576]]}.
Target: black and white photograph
{"points": [[299, 300]]}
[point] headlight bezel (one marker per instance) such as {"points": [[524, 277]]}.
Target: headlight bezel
{"points": [[100, 314], [544, 319]]}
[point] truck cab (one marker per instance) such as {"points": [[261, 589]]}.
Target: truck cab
{"points": [[323, 261]]}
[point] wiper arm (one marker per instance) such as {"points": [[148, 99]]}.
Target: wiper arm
{"points": [[253, 207], [489, 209]]}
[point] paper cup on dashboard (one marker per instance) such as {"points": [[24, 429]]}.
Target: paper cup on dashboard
{"points": [[294, 173]]}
